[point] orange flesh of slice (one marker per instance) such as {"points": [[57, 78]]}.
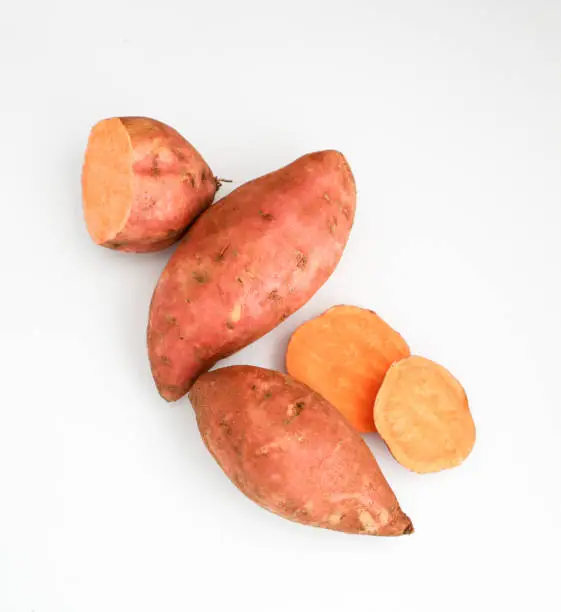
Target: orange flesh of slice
{"points": [[344, 355], [422, 413], [107, 180]]}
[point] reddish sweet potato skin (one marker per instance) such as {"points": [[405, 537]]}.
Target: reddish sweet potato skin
{"points": [[172, 185], [293, 453], [248, 263]]}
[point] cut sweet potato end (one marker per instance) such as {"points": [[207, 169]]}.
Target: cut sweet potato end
{"points": [[422, 413], [344, 355], [107, 180]]}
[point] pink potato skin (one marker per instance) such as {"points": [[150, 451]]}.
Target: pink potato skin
{"points": [[293, 453], [247, 264], [172, 185]]}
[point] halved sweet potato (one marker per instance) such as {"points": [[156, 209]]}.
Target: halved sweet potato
{"points": [[142, 184]]}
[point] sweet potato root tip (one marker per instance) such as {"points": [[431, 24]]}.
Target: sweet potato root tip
{"points": [[107, 180], [422, 413], [344, 355]]}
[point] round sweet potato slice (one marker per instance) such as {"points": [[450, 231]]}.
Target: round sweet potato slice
{"points": [[422, 413], [143, 184], [344, 355]]}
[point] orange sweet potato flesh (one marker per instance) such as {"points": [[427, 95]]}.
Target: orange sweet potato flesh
{"points": [[247, 264], [422, 413], [142, 184], [344, 355], [290, 451]]}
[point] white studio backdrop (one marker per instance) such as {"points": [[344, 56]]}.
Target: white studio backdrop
{"points": [[450, 116]]}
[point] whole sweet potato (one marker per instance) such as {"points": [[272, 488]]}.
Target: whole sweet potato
{"points": [[142, 184], [248, 263], [292, 452]]}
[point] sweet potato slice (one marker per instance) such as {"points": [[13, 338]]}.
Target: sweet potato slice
{"points": [[344, 355], [142, 184], [422, 414]]}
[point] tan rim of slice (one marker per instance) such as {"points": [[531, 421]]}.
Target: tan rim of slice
{"points": [[422, 413]]}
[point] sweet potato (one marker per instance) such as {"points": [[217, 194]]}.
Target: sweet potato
{"points": [[142, 184], [248, 263], [289, 450], [422, 414], [344, 355]]}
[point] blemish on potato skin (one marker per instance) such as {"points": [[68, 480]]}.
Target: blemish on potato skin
{"points": [[201, 276], [326, 197], [171, 320], [301, 260], [268, 394], [155, 170], [165, 360], [115, 244], [293, 411], [266, 216], [367, 521], [221, 253], [230, 325], [236, 313], [226, 427], [171, 388], [240, 280], [187, 177], [149, 203], [274, 296]]}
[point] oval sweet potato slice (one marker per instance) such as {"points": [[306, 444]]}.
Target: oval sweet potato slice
{"points": [[422, 413], [289, 450], [344, 355], [142, 184], [248, 262]]}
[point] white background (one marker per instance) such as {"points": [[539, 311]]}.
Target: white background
{"points": [[450, 115]]}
